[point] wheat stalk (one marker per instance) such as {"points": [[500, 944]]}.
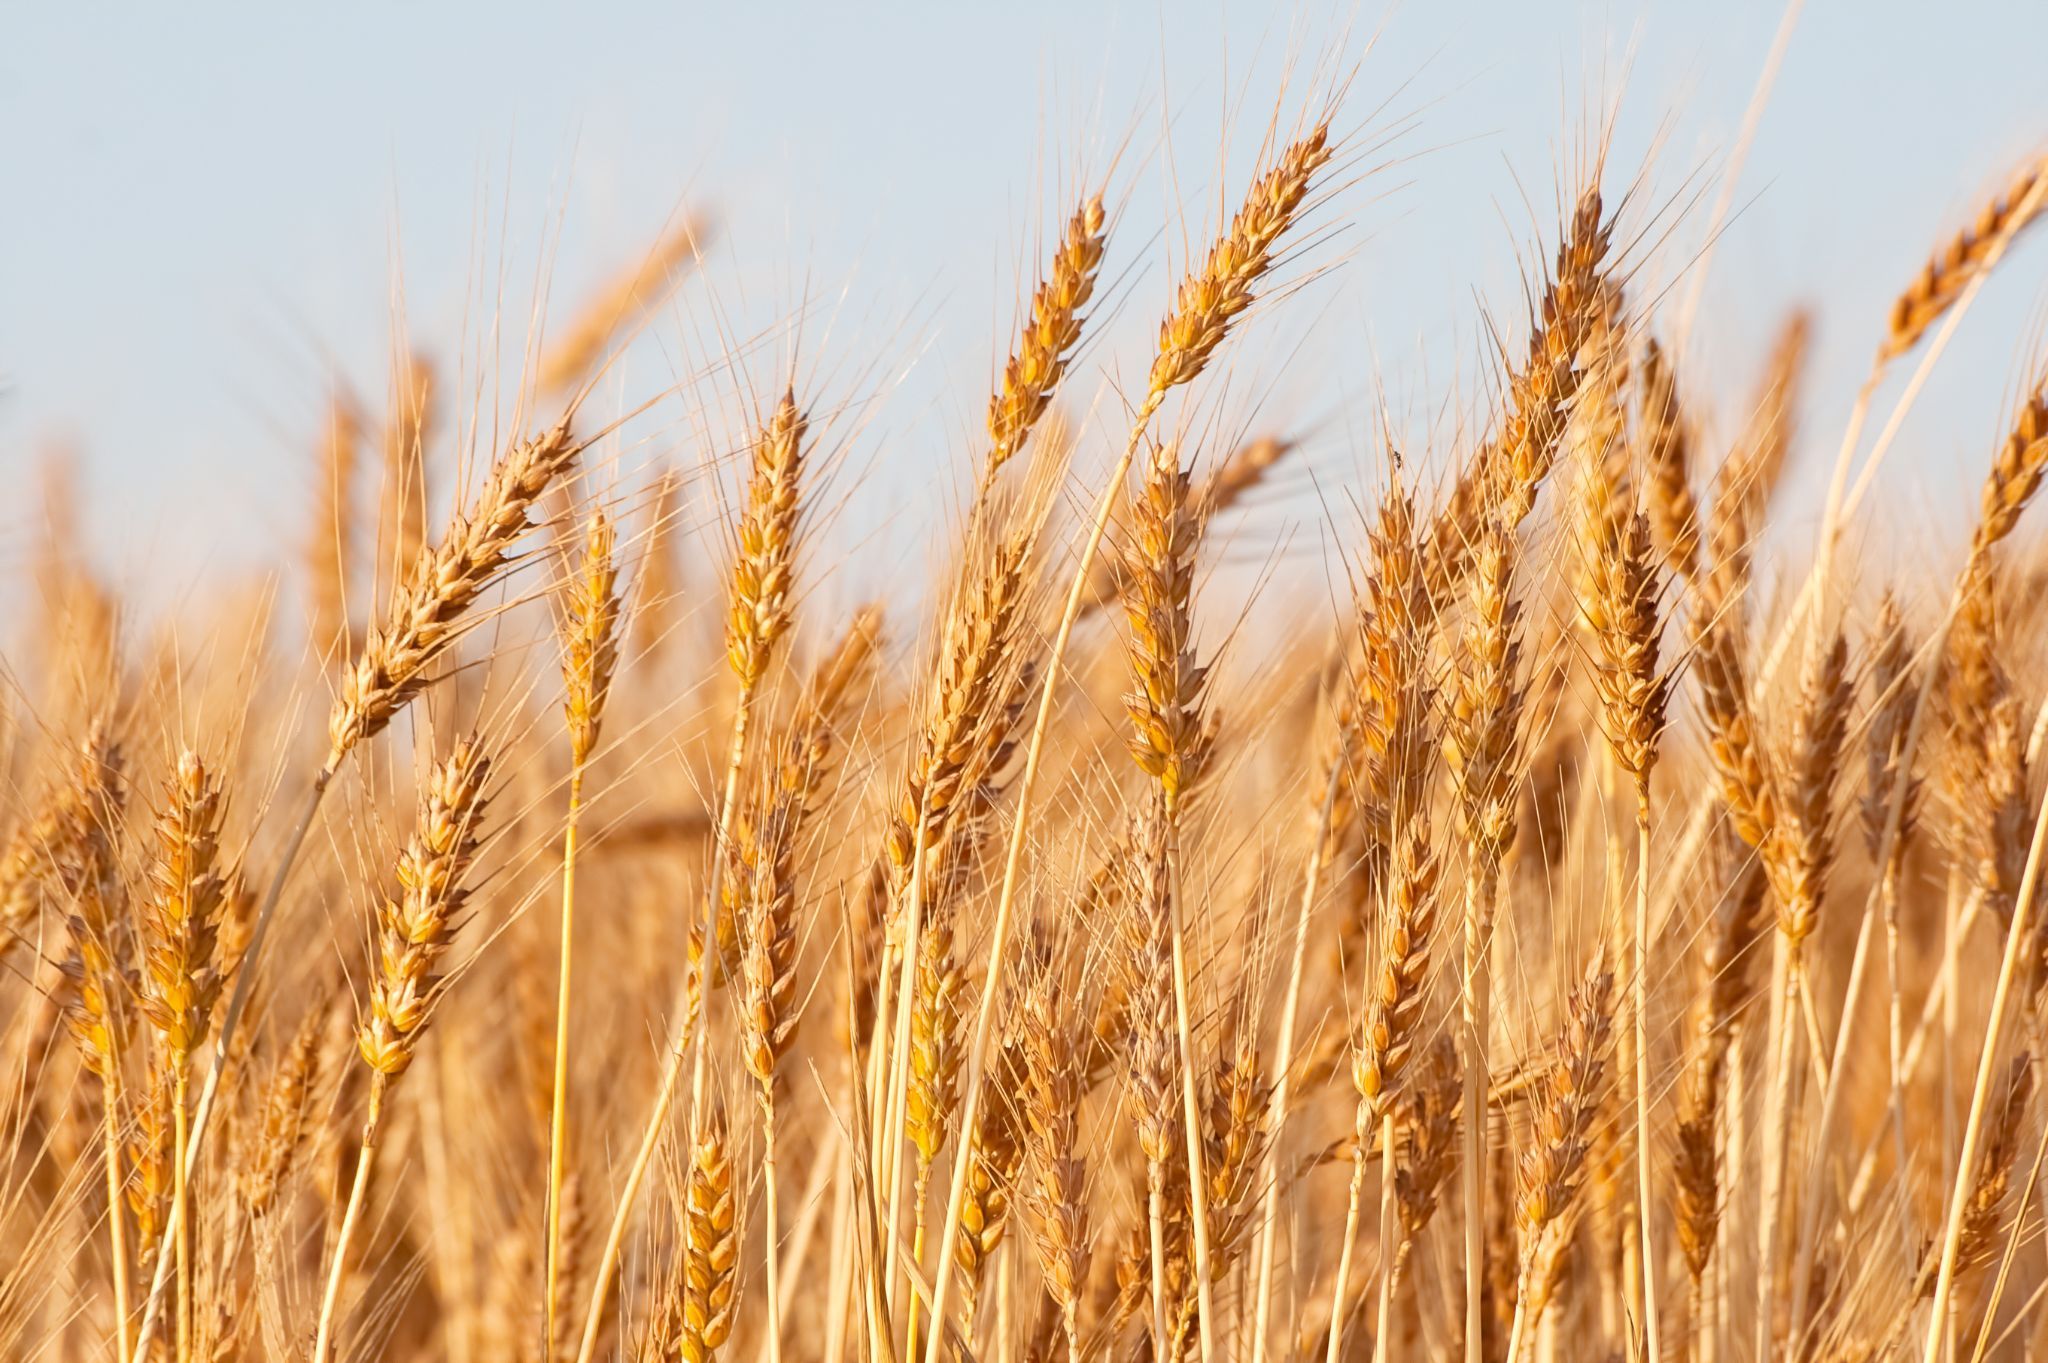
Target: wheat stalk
{"points": [[590, 650], [413, 931], [181, 929], [1481, 751], [758, 611]]}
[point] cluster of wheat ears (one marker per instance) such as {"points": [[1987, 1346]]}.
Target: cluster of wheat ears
{"points": [[1576, 952]]}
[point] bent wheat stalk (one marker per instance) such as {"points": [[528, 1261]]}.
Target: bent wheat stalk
{"points": [[395, 665]]}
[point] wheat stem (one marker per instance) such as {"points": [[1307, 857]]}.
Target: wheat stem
{"points": [[238, 999], [1340, 1291], [1283, 1063], [1645, 1203], [999, 931], [2016, 940], [337, 1273], [558, 1103], [1389, 1251], [117, 1234]]}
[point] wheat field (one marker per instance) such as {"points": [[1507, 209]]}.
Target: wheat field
{"points": [[1610, 931]]}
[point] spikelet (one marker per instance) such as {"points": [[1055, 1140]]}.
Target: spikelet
{"points": [[967, 733], [87, 877], [1729, 950], [632, 294], [1151, 1054], [1393, 629], [1429, 1149], [1393, 1012], [1401, 862], [711, 1248], [181, 918], [1942, 280], [935, 1041], [1212, 298], [590, 645], [1667, 459], [1235, 476], [285, 1107], [1036, 367], [764, 563], [150, 1159], [1799, 856], [1506, 473], [660, 581], [1893, 696], [2000, 814], [1165, 706], [1481, 742], [1622, 613], [1751, 473], [758, 922], [1982, 1235], [1236, 1132], [25, 864], [1721, 674], [413, 929], [1551, 1167], [1981, 1219], [1054, 1065], [993, 1156], [2016, 471], [440, 585]]}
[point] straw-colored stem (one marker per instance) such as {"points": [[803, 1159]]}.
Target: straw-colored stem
{"points": [[1155, 1221], [1645, 1203], [1389, 1250], [684, 1039], [1340, 1291], [2016, 939], [1831, 1094], [337, 1272], [1628, 1046], [117, 1232], [889, 1133], [558, 1110], [1777, 1125], [772, 1230], [1191, 1109], [1283, 1062], [1476, 1002], [181, 1185], [1895, 1038], [1027, 784]]}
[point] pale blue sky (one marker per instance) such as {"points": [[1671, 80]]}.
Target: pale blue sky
{"points": [[208, 208]]}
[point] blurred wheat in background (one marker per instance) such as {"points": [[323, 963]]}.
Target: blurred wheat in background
{"points": [[1593, 929]]}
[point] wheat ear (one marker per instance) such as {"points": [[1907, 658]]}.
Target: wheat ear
{"points": [[181, 929], [758, 610], [1394, 638], [80, 851], [1171, 746], [413, 930], [1633, 699], [1482, 749], [1548, 1178], [394, 665], [1209, 302], [590, 650]]}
